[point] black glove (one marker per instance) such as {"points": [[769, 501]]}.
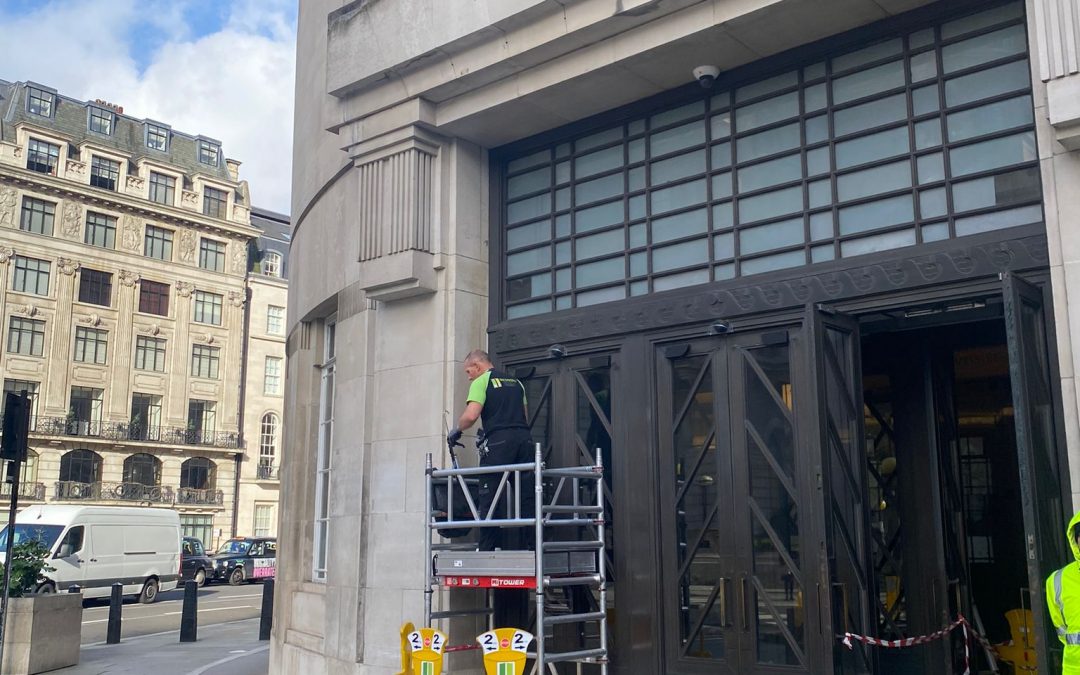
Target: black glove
{"points": [[454, 437]]}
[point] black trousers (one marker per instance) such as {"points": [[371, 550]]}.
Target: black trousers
{"points": [[506, 446]]}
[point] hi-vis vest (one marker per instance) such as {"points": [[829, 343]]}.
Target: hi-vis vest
{"points": [[1063, 603]]}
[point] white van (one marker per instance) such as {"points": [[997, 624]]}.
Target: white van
{"points": [[96, 546]]}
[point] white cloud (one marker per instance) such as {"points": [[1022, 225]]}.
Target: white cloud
{"points": [[235, 85]]}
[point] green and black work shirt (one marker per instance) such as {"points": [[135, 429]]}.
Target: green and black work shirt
{"points": [[503, 401]]}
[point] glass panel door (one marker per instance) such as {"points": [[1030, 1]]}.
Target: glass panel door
{"points": [[1040, 485]]}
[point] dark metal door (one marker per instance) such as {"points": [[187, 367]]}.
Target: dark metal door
{"points": [[1040, 482], [846, 572]]}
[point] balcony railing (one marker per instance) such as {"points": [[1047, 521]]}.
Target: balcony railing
{"points": [[134, 492], [131, 431], [267, 472], [30, 491]]}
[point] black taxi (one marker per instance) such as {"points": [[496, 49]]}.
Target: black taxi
{"points": [[242, 559]]}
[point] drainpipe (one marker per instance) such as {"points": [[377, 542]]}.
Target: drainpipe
{"points": [[243, 394]]}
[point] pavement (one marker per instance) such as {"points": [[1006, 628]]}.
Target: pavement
{"points": [[231, 648]]}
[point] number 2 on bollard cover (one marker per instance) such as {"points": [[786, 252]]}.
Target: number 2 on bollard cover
{"points": [[504, 650], [427, 646]]}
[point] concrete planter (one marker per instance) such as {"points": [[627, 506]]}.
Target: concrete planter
{"points": [[43, 633]]}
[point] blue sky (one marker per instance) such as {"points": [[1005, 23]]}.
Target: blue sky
{"points": [[222, 68]]}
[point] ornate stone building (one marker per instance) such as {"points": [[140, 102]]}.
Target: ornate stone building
{"points": [[264, 379], [124, 251], [819, 315]]}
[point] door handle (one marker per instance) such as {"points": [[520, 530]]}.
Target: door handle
{"points": [[743, 619], [723, 603]]}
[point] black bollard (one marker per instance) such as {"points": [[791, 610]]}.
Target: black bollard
{"points": [[266, 617], [189, 619], [115, 603]]}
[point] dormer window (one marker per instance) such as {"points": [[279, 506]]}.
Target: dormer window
{"points": [[42, 156], [157, 137], [39, 101], [104, 173], [101, 121], [208, 153], [271, 264]]}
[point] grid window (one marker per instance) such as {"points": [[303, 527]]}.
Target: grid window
{"points": [[271, 264], [214, 201], [199, 526], [204, 361], [202, 418], [104, 173], [91, 345], [208, 153], [268, 439], [150, 354], [157, 137], [42, 157], [272, 376], [100, 121], [26, 337], [275, 320], [39, 101], [95, 287], [31, 275], [38, 216], [264, 520], [212, 255], [145, 417], [157, 243], [919, 138], [323, 462], [31, 389], [100, 230], [208, 308], [84, 417], [162, 189], [153, 297]]}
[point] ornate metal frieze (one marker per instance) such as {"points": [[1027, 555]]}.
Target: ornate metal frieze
{"points": [[729, 299]]}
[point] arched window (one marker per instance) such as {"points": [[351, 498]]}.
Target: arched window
{"points": [[80, 466], [197, 473], [268, 439], [28, 472], [271, 264], [143, 469]]}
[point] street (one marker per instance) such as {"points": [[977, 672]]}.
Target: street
{"points": [[218, 603]]}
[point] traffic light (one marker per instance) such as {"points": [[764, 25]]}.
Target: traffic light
{"points": [[16, 427]]}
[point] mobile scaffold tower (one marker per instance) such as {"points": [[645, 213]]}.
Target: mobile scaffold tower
{"points": [[552, 563]]}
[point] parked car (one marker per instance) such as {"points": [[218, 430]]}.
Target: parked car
{"points": [[244, 559], [194, 563], [93, 546]]}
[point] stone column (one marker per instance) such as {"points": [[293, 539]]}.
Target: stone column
{"points": [[121, 346], [56, 395], [233, 320], [180, 350], [6, 254]]}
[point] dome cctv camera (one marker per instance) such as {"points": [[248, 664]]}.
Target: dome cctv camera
{"points": [[706, 75]]}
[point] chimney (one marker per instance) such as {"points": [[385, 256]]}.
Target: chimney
{"points": [[234, 168]]}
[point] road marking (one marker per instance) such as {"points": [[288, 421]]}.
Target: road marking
{"points": [[208, 609], [163, 603], [227, 659]]}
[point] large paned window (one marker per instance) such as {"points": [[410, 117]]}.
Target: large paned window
{"points": [[157, 137], [31, 389], [39, 101], [212, 255], [42, 156], [154, 297], [268, 439], [100, 121], [208, 153], [38, 216], [158, 243], [202, 419], [150, 353], [91, 345], [85, 411], [104, 173], [271, 264], [205, 361], [26, 337], [264, 520], [208, 308], [272, 376], [100, 230], [275, 320], [162, 189], [31, 275], [142, 469], [200, 526], [80, 466], [920, 137], [95, 287], [323, 463], [214, 201]]}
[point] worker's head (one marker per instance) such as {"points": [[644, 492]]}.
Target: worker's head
{"points": [[477, 363]]}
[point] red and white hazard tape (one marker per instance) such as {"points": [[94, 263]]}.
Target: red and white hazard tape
{"points": [[846, 639]]}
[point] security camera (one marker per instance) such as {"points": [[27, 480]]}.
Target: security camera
{"points": [[557, 351], [706, 75], [719, 328]]}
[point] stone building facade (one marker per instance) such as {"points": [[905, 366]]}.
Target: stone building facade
{"points": [[124, 256], [264, 379], [818, 315]]}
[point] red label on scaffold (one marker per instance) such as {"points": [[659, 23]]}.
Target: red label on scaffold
{"points": [[488, 582]]}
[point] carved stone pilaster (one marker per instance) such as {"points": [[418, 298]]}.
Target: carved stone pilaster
{"points": [[189, 199], [67, 266], [8, 200], [127, 278], [76, 169], [129, 232], [71, 221], [239, 257], [187, 244], [6, 254], [235, 298], [135, 183], [184, 289]]}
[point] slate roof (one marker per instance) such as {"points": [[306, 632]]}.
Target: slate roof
{"points": [[70, 119], [276, 236]]}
